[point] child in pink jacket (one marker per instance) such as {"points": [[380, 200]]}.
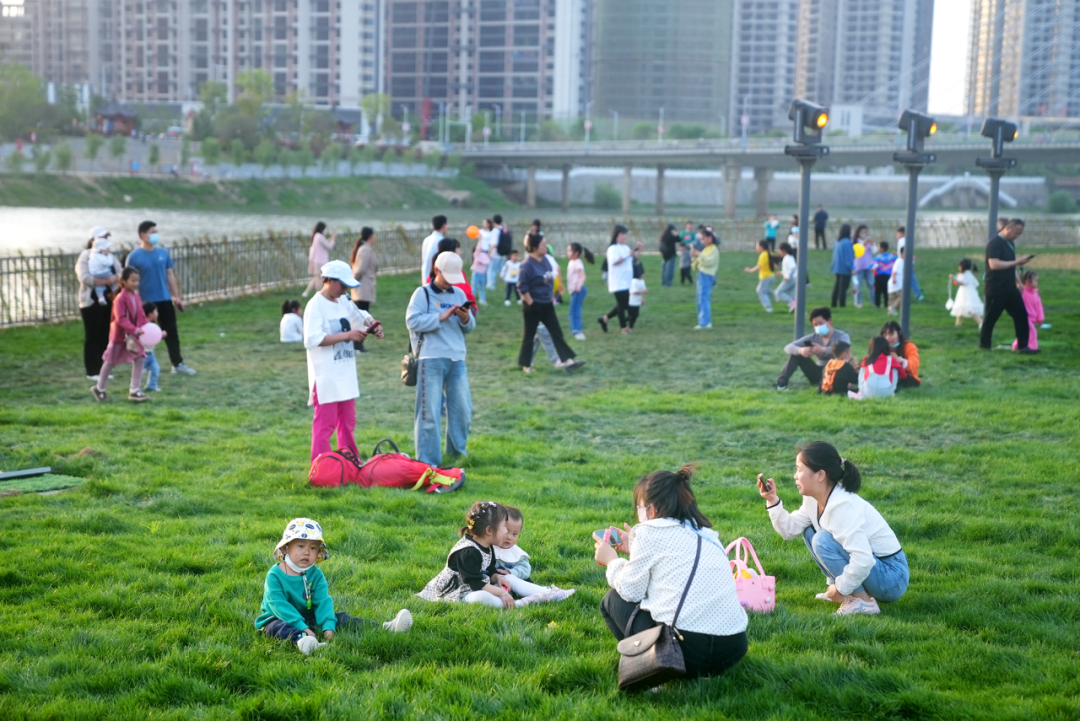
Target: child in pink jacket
{"points": [[1033, 303]]}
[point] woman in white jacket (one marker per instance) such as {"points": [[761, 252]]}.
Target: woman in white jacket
{"points": [[646, 589], [848, 539]]}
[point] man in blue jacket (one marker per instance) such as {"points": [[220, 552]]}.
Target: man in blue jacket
{"points": [[843, 265]]}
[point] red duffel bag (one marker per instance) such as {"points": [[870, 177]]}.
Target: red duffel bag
{"points": [[397, 470], [335, 468]]}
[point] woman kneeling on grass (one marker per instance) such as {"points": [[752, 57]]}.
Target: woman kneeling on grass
{"points": [[847, 537], [663, 549]]}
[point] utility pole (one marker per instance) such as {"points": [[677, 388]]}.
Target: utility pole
{"points": [[660, 129], [615, 132]]}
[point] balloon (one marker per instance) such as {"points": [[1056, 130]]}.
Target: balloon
{"points": [[859, 250], [151, 336], [473, 232]]}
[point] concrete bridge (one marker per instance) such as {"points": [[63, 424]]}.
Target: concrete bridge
{"points": [[765, 156]]}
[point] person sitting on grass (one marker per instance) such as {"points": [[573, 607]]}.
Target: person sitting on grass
{"points": [[296, 597], [846, 536], [470, 575], [839, 375], [811, 352], [674, 554], [880, 370], [511, 559], [904, 350], [291, 327]]}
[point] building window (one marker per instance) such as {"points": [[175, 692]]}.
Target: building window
{"points": [[404, 13], [437, 37], [526, 9], [162, 56], [403, 62], [403, 38], [492, 36], [322, 57], [403, 87], [526, 61], [435, 63], [437, 12], [526, 36], [281, 30], [525, 87], [200, 30], [322, 28], [492, 87], [492, 10], [492, 62], [163, 83], [435, 87]]}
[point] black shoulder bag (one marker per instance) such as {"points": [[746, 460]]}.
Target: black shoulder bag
{"points": [[650, 658], [410, 364]]}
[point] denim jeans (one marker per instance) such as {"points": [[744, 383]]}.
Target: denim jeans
{"points": [[434, 376], [667, 273], [284, 632], [494, 269], [888, 579], [705, 283], [785, 290], [479, 286], [864, 283], [150, 366], [763, 287], [915, 289], [577, 300]]}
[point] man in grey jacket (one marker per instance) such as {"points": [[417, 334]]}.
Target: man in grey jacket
{"points": [[811, 352], [438, 323]]}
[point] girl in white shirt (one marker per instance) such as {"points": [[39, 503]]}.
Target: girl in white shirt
{"points": [[646, 589], [292, 322], [332, 324], [620, 273], [967, 303], [789, 270], [848, 539]]}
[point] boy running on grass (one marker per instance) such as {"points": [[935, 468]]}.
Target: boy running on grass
{"points": [[296, 597]]}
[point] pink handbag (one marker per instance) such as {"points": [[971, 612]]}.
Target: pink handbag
{"points": [[756, 591]]}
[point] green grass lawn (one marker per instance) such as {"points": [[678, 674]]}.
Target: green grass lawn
{"points": [[134, 595]]}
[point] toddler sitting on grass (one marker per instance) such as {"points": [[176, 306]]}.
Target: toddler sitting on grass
{"points": [[512, 560], [296, 597]]}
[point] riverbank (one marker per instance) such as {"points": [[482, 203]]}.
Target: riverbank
{"points": [[285, 194]]}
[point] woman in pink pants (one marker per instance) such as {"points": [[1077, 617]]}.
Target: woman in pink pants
{"points": [[332, 323]]}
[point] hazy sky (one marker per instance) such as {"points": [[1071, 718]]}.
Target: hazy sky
{"points": [[948, 55]]}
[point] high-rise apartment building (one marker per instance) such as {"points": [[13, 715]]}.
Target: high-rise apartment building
{"points": [[509, 57], [672, 55], [324, 49], [1024, 58], [16, 34], [762, 64], [75, 42], [873, 54]]}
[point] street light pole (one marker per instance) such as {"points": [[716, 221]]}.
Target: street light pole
{"points": [[918, 127], [588, 124], [1000, 132], [745, 122], [615, 133], [523, 128], [660, 129], [498, 119]]}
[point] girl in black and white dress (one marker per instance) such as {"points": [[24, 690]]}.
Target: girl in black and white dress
{"points": [[470, 575]]}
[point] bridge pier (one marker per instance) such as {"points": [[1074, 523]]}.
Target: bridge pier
{"points": [[626, 187], [762, 176], [566, 187], [530, 187], [660, 190], [731, 189]]}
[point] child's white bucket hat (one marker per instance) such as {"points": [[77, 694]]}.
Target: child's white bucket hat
{"points": [[302, 528]]}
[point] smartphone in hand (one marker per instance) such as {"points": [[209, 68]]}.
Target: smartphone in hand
{"points": [[608, 535], [765, 485]]}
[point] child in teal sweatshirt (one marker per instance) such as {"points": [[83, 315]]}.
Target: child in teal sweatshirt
{"points": [[296, 597]]}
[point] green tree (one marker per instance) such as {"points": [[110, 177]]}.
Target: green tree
{"points": [[375, 106], [331, 157], [1060, 201], [211, 151], [355, 157], [63, 156], [238, 153], [92, 148], [154, 157], [213, 94], [304, 157], [605, 196], [41, 157], [231, 125], [117, 147], [22, 102], [15, 161], [265, 153], [256, 88]]}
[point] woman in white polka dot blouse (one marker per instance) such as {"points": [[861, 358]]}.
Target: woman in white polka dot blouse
{"points": [[851, 543], [645, 590]]}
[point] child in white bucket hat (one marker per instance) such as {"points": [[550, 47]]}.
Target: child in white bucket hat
{"points": [[296, 597]]}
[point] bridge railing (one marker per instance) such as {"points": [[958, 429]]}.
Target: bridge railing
{"points": [[42, 287]]}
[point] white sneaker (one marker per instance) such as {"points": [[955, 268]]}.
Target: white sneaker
{"points": [[579, 336], [182, 368], [307, 644], [527, 369], [401, 623], [506, 303], [553, 594], [857, 605], [95, 378], [483, 302], [519, 302]]}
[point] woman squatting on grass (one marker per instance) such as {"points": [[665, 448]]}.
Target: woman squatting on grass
{"points": [[847, 538], [296, 597]]}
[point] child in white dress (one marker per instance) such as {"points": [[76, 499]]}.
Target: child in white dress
{"points": [[101, 266], [967, 303]]}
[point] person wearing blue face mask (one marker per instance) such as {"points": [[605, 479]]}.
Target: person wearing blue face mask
{"points": [[811, 352], [158, 285]]}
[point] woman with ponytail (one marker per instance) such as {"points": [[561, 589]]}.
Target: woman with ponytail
{"points": [[847, 537], [646, 588]]}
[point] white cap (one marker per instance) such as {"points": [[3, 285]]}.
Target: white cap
{"points": [[449, 263], [98, 232], [102, 243], [339, 270]]}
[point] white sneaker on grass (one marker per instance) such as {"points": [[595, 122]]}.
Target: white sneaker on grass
{"points": [[553, 594], [401, 623], [579, 336], [824, 597], [857, 605], [506, 302], [182, 368], [307, 644]]}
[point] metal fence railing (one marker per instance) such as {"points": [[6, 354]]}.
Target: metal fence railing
{"points": [[42, 287]]}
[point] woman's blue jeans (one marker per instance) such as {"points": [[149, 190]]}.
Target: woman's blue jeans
{"points": [[888, 579], [577, 300], [479, 286], [864, 283], [705, 283], [433, 376]]}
